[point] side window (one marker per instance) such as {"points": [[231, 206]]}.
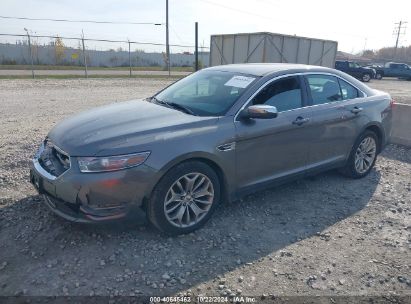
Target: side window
{"points": [[352, 65], [284, 94], [324, 89], [347, 90]]}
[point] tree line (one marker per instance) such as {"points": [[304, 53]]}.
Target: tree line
{"points": [[401, 54]]}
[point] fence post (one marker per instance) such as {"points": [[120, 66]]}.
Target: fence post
{"points": [[196, 46], [31, 55], [167, 42], [84, 54], [129, 56]]}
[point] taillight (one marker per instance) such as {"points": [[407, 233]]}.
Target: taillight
{"points": [[392, 103]]}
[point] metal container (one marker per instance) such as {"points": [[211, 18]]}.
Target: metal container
{"points": [[270, 47]]}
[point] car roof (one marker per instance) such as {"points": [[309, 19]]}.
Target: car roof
{"points": [[269, 69], [264, 69]]}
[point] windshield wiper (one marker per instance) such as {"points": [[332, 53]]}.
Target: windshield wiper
{"points": [[153, 98], [173, 105], [180, 107]]}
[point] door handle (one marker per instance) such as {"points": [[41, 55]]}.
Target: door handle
{"points": [[356, 110], [300, 120]]}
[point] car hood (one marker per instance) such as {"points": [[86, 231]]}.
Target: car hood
{"points": [[122, 128]]}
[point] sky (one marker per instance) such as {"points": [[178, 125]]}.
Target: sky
{"points": [[356, 25]]}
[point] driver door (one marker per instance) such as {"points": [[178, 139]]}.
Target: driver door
{"points": [[269, 149]]}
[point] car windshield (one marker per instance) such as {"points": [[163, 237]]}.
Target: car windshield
{"points": [[206, 93]]}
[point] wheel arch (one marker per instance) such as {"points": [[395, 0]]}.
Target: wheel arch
{"points": [[204, 157], [378, 130]]}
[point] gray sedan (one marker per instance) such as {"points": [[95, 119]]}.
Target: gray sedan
{"points": [[211, 137]]}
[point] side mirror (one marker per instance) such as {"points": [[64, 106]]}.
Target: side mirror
{"points": [[260, 111]]}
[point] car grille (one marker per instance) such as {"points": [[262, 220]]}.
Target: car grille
{"points": [[54, 160]]}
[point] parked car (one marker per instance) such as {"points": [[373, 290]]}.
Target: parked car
{"points": [[211, 137], [365, 74], [377, 69], [393, 69]]}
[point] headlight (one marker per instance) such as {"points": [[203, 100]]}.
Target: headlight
{"points": [[111, 163]]}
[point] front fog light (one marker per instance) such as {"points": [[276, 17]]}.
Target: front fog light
{"points": [[111, 163]]}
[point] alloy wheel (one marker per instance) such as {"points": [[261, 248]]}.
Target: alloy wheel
{"points": [[365, 155], [188, 200]]}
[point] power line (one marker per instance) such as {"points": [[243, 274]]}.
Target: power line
{"points": [[278, 19], [399, 30], [81, 21], [176, 34]]}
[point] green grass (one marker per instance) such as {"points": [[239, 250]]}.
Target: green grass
{"points": [[72, 76], [70, 67]]}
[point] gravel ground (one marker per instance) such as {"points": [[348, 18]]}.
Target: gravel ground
{"points": [[400, 90], [325, 235]]}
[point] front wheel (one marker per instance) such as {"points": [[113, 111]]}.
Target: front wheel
{"points": [[184, 199], [362, 157], [378, 76], [366, 77]]}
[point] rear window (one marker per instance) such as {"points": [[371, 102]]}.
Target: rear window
{"points": [[347, 90]]}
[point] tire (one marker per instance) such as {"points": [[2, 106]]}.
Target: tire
{"points": [[378, 76], [174, 184], [366, 77], [353, 171]]}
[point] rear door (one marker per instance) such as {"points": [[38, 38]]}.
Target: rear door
{"points": [[335, 118]]}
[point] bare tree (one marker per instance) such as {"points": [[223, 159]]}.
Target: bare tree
{"points": [[59, 50]]}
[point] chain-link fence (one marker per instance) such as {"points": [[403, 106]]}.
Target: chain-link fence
{"points": [[82, 55]]}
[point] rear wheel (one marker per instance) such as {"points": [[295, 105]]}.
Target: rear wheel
{"points": [[363, 156], [184, 199], [366, 77]]}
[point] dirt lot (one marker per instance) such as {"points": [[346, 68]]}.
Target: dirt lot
{"points": [[399, 89], [325, 235]]}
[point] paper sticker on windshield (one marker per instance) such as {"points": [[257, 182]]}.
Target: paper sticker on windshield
{"points": [[239, 81]]}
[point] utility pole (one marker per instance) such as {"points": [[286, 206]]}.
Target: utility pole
{"points": [[397, 31], [196, 46], [31, 53], [167, 42], [129, 55], [84, 54]]}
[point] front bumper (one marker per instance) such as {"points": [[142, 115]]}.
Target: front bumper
{"points": [[92, 197], [77, 213]]}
